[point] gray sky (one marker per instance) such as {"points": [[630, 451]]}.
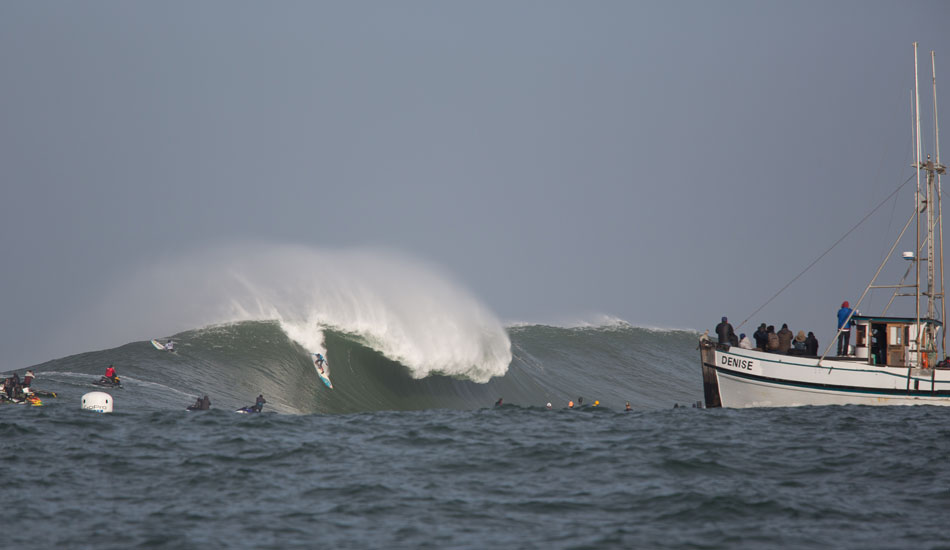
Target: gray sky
{"points": [[661, 162]]}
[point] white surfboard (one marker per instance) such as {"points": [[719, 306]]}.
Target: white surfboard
{"points": [[158, 345], [323, 373]]}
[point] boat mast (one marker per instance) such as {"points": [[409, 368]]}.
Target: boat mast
{"points": [[943, 303], [931, 219], [934, 219], [917, 206]]}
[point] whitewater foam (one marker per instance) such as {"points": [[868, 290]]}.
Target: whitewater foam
{"points": [[407, 310]]}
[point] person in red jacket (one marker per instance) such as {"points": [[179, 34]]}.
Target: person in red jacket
{"points": [[111, 375]]}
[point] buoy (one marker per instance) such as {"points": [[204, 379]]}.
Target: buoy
{"points": [[97, 401]]}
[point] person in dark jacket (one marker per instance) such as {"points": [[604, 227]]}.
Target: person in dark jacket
{"points": [[811, 344], [725, 333], [798, 344], [761, 338]]}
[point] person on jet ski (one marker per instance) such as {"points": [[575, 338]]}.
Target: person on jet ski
{"points": [[201, 404], [259, 404], [111, 375]]}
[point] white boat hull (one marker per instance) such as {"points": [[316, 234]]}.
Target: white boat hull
{"points": [[746, 378]]}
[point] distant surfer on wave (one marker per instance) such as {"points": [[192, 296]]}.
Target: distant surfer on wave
{"points": [[320, 361]]}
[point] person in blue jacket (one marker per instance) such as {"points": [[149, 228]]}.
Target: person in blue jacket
{"points": [[844, 328]]}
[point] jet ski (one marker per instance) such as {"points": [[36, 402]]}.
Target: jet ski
{"points": [[43, 393], [250, 409], [29, 400], [108, 382]]}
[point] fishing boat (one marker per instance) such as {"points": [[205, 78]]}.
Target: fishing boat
{"points": [[895, 359]]}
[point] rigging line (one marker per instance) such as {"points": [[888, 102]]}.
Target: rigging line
{"points": [[890, 220], [825, 253]]}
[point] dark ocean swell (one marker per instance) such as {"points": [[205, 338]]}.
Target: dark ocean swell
{"points": [[233, 363]]}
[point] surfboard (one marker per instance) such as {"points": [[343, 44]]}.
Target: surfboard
{"points": [[158, 345], [325, 374]]}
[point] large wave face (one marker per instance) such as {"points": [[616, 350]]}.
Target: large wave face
{"points": [[234, 362], [398, 335], [407, 311]]}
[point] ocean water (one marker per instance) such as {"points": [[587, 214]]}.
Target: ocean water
{"points": [[401, 455]]}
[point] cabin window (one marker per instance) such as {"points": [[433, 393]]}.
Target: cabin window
{"points": [[896, 336], [861, 336]]}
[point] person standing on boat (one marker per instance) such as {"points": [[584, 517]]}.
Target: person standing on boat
{"points": [[811, 344], [725, 332], [772, 345], [798, 344], [785, 339], [744, 341], [761, 338], [844, 328]]}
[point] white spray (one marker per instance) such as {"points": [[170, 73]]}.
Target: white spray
{"points": [[403, 308]]}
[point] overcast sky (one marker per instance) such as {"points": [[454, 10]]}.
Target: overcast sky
{"points": [[665, 163]]}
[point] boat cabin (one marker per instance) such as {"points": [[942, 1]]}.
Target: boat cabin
{"points": [[892, 341]]}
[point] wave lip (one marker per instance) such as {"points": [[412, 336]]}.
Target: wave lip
{"points": [[408, 310]]}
